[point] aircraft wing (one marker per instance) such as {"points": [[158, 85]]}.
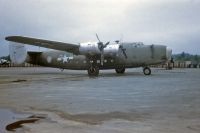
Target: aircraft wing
{"points": [[69, 47]]}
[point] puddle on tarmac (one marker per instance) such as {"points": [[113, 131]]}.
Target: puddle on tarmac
{"points": [[10, 120], [19, 80]]}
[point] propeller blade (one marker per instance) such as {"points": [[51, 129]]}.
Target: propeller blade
{"points": [[121, 39], [102, 58], [106, 44], [98, 37], [123, 51], [125, 55]]}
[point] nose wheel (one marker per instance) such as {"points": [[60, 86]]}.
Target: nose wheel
{"points": [[93, 71], [147, 71]]}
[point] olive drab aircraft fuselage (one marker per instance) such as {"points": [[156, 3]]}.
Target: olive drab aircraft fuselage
{"points": [[90, 56]]}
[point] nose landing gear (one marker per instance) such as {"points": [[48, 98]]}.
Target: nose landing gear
{"points": [[147, 71]]}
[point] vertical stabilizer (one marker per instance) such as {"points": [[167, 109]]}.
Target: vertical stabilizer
{"points": [[17, 52]]}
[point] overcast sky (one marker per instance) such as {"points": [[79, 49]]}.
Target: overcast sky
{"points": [[175, 23]]}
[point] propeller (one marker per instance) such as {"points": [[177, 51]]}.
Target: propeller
{"points": [[123, 51], [101, 47], [121, 46]]}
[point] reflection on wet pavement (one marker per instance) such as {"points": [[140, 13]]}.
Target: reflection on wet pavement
{"points": [[7, 117]]}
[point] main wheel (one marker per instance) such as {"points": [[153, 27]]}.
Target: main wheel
{"points": [[147, 71], [93, 71], [120, 70]]}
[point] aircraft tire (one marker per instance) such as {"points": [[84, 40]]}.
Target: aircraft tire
{"points": [[147, 71], [120, 70], [93, 71]]}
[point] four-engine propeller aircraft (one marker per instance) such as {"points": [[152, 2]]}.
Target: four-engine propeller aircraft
{"points": [[90, 56]]}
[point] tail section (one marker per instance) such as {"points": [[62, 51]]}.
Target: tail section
{"points": [[18, 53]]}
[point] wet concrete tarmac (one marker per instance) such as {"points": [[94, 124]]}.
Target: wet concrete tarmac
{"points": [[166, 101]]}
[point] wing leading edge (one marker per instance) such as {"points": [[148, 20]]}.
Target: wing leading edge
{"points": [[69, 47]]}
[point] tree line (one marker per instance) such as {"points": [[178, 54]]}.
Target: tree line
{"points": [[186, 57]]}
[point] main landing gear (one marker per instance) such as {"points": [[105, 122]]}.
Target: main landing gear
{"points": [[147, 71], [93, 71], [120, 70]]}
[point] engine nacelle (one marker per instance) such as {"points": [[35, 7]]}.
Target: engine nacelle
{"points": [[91, 48], [111, 50]]}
